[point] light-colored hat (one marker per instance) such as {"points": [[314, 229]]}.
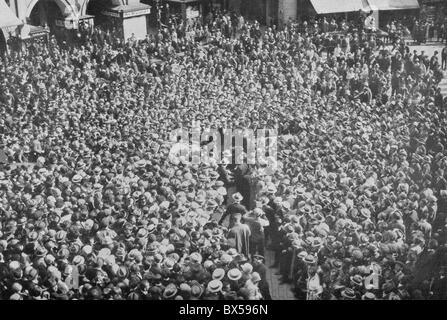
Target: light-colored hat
{"points": [[258, 212], [226, 258], [218, 274], [78, 260], [255, 277], [271, 188], [222, 191], [237, 197], [87, 249], [76, 178], [302, 254], [207, 264], [234, 274], [232, 252], [247, 268], [214, 286], [195, 257]]}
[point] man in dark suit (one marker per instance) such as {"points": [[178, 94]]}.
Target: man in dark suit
{"points": [[224, 175], [259, 267], [439, 287], [444, 58], [235, 207], [243, 183]]}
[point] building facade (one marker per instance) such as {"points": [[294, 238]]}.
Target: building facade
{"points": [[281, 11], [25, 18]]}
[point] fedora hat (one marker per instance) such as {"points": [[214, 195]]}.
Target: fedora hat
{"points": [[258, 257]]}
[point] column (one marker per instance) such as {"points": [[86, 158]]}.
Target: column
{"points": [[20, 7]]}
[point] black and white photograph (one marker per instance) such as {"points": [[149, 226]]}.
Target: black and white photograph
{"points": [[242, 151]]}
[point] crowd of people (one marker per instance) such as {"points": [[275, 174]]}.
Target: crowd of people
{"points": [[93, 207]]}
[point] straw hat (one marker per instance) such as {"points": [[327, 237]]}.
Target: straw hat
{"points": [[237, 197], [234, 274], [214, 286], [218, 274]]}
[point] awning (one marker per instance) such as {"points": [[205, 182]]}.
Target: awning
{"points": [[86, 17], [393, 4], [30, 32], [128, 10], [7, 17], [38, 31], [332, 6]]}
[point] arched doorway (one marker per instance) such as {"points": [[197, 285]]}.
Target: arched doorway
{"points": [[45, 12], [96, 7]]}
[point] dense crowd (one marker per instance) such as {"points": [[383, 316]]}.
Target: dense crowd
{"points": [[93, 207]]}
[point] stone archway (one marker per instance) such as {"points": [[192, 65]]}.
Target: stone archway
{"points": [[47, 12], [64, 6]]}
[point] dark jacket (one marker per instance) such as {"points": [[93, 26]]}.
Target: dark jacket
{"points": [[232, 209]]}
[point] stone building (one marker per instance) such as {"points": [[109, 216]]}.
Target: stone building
{"points": [[30, 18]]}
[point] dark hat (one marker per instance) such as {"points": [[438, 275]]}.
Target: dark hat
{"points": [[259, 257]]}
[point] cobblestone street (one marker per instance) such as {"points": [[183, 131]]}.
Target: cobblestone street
{"points": [[278, 291]]}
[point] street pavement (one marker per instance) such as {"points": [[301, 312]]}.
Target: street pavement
{"points": [[278, 291]]}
